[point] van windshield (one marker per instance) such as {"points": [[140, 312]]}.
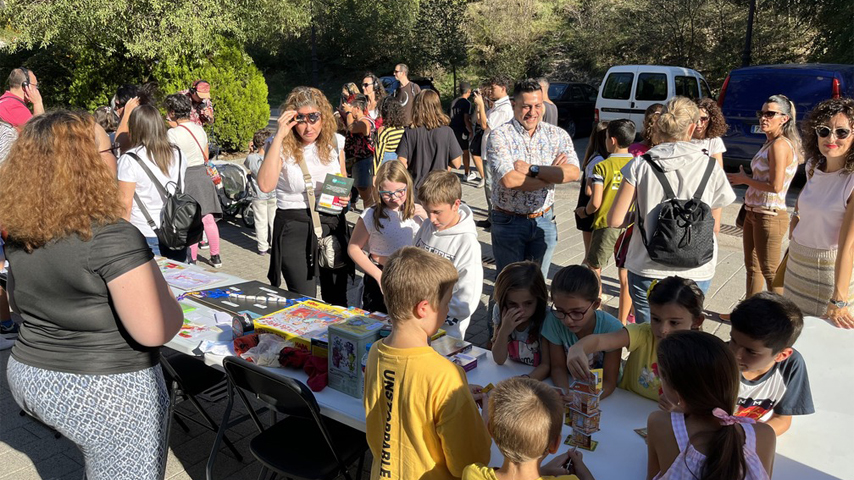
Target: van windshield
{"points": [[746, 93]]}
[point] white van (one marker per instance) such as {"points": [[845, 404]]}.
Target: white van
{"points": [[628, 90]]}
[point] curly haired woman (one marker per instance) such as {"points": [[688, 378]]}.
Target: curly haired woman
{"points": [[86, 362], [711, 127], [306, 135], [821, 251]]}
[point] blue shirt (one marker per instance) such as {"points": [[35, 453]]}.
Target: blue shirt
{"points": [[510, 142], [555, 332]]}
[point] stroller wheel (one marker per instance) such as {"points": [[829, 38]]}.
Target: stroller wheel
{"points": [[248, 216]]}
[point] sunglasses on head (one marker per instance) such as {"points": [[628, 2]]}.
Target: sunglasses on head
{"points": [[825, 131], [310, 118], [768, 114]]}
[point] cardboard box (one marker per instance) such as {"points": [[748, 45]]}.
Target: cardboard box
{"points": [[448, 345], [320, 344], [468, 362], [585, 398], [585, 423], [300, 322], [348, 341]]}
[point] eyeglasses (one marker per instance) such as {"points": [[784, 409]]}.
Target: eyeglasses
{"points": [[825, 131], [768, 114], [575, 315], [310, 118], [392, 194], [367, 84]]}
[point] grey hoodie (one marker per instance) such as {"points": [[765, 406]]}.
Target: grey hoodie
{"points": [[458, 244], [684, 164]]}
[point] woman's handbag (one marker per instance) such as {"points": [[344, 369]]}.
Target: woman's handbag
{"points": [[621, 248], [739, 219], [216, 178], [330, 253]]}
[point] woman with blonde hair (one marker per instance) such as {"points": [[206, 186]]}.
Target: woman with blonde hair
{"points": [[772, 169], [684, 165], [306, 141], [430, 144], [384, 228], [150, 158], [94, 304]]}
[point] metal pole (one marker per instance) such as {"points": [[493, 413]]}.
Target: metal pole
{"points": [[748, 40]]}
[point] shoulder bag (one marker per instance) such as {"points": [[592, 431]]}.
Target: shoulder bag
{"points": [[330, 253], [212, 171]]}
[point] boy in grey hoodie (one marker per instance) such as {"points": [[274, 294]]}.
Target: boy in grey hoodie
{"points": [[451, 233]]}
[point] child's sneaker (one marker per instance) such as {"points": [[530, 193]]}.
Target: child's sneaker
{"points": [[471, 177], [216, 261], [204, 245]]}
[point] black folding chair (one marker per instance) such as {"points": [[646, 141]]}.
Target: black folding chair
{"points": [[188, 377], [303, 445]]}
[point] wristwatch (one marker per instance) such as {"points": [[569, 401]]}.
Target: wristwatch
{"points": [[533, 171], [838, 303]]}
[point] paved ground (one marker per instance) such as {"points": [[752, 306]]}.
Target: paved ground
{"points": [[30, 451]]}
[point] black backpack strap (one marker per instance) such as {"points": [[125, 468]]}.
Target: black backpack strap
{"points": [[659, 174], [160, 188], [145, 212], [708, 174]]}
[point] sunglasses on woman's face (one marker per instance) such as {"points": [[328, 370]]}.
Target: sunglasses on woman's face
{"points": [[769, 114], [365, 85], [824, 131], [310, 118]]}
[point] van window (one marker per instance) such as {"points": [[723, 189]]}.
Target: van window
{"points": [[651, 86], [618, 86], [591, 92], [686, 86], [746, 93], [704, 87]]}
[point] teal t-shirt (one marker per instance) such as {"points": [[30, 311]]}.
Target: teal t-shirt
{"points": [[554, 331]]}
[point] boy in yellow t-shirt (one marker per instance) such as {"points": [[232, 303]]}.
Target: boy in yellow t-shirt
{"points": [[675, 304], [421, 418], [525, 420]]}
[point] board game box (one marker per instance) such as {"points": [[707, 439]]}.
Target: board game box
{"points": [[348, 343], [300, 322]]}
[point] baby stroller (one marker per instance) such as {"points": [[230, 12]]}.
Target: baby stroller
{"points": [[234, 193]]}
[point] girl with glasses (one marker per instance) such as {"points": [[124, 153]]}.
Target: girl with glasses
{"points": [[711, 127], [818, 273], [773, 168], [384, 228], [574, 315]]}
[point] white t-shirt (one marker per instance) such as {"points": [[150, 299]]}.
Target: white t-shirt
{"points": [[500, 113], [290, 190], [712, 145], [180, 137], [340, 140], [130, 171], [394, 235], [822, 205], [684, 164]]}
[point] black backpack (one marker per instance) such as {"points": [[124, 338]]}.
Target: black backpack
{"points": [[684, 236], [181, 216]]}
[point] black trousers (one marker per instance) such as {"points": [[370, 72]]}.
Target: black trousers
{"points": [[372, 296], [295, 243]]}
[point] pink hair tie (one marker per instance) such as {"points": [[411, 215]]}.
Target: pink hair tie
{"points": [[727, 419]]}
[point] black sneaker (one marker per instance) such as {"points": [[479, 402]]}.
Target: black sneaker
{"points": [[216, 261], [204, 245]]}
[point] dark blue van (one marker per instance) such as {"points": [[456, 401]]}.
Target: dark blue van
{"points": [[745, 89]]}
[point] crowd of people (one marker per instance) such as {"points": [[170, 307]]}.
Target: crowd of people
{"points": [[87, 237]]}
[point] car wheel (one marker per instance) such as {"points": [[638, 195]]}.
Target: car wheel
{"points": [[570, 128]]}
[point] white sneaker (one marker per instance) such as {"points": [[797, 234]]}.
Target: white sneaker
{"points": [[471, 177], [481, 183]]}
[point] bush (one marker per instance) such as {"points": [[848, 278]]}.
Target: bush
{"points": [[238, 90]]}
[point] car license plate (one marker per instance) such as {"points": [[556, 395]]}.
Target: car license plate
{"points": [[755, 129]]}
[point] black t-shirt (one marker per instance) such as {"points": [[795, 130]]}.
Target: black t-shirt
{"points": [[61, 292], [428, 150], [406, 95], [459, 109]]}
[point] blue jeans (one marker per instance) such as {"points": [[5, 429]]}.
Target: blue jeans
{"points": [[639, 285], [516, 238], [177, 255]]}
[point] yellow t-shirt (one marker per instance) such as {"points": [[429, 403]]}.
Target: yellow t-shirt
{"points": [[480, 472], [640, 374], [421, 419], [608, 174]]}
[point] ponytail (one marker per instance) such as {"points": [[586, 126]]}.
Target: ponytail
{"points": [[725, 458], [790, 128]]}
